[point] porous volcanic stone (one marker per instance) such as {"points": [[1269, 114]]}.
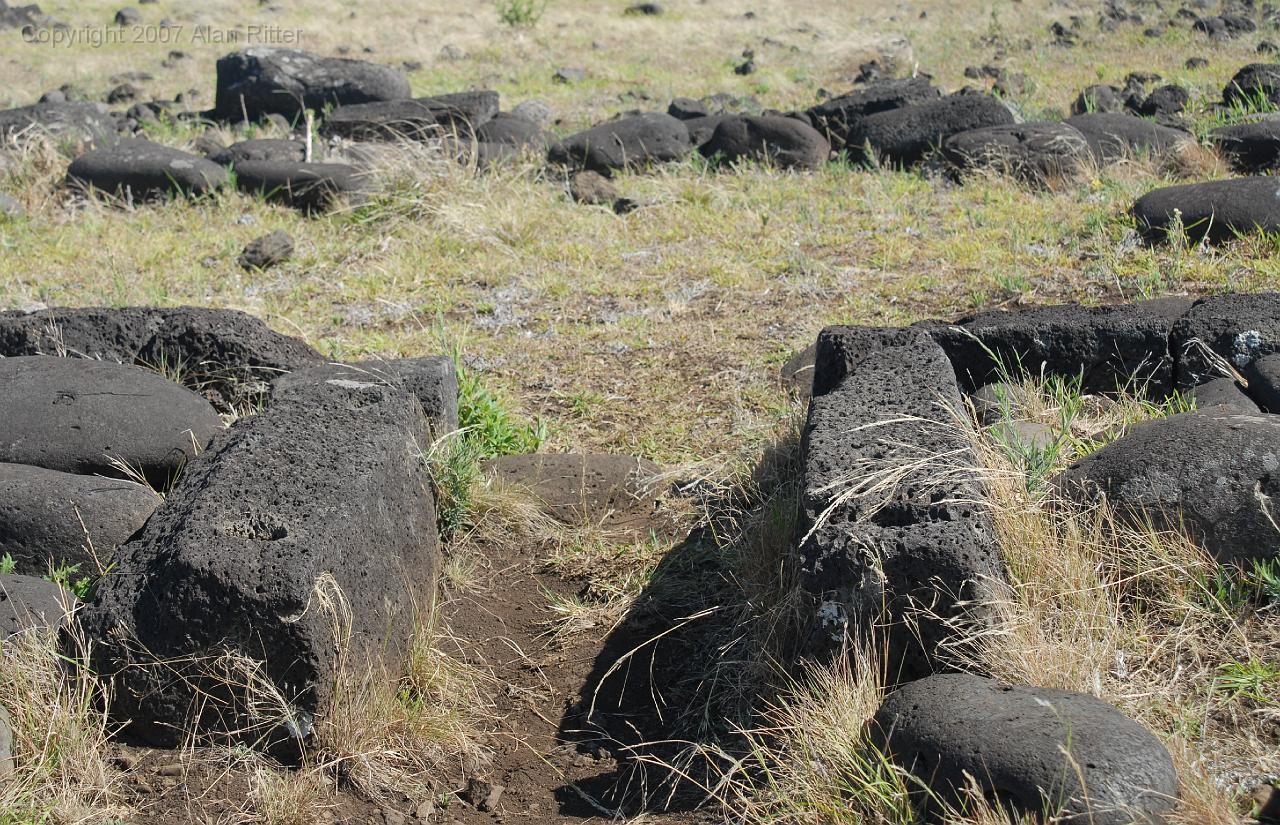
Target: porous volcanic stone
{"points": [[1231, 331], [1263, 376], [1099, 97], [1114, 136], [223, 351], [1250, 147], [1109, 347], [702, 128], [83, 122], [838, 118], [75, 415], [145, 169], [1216, 211], [310, 187], [49, 519], [1253, 83], [1209, 471], [1031, 151], [511, 129], [1031, 750], [272, 149], [262, 81], [267, 250], [634, 141], [395, 120], [1224, 393], [890, 527], [595, 488], [904, 136], [29, 603], [324, 492], [784, 141], [433, 381]]}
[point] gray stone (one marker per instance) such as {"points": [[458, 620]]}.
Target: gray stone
{"points": [[1109, 347], [1115, 136], [272, 149], [1216, 211], [76, 415], [143, 169], [1028, 151], [1224, 334], [534, 110], [261, 81], [904, 136], [783, 141], [418, 119], [79, 122], [227, 353], [1212, 472], [511, 129], [839, 117], [996, 401], [50, 519], [1253, 83], [30, 604], [701, 129], [891, 525], [629, 142], [1098, 98], [267, 251], [433, 381], [1252, 148], [1223, 393], [309, 187], [1032, 750], [323, 493], [1263, 376]]}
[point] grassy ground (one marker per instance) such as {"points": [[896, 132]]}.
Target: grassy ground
{"points": [[659, 333]]}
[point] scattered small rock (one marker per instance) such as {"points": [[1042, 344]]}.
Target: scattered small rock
{"points": [[267, 251], [483, 795], [646, 9], [569, 75], [592, 189], [128, 16]]}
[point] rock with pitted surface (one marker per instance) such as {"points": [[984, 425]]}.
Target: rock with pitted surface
{"points": [[140, 168], [314, 514], [230, 355], [1210, 472], [838, 118], [433, 381], [783, 141], [1252, 148], [905, 136], [1028, 151], [88, 417], [424, 118], [635, 141], [309, 187], [82, 122], [1030, 750], [1254, 84], [50, 519], [1224, 335], [1223, 392], [1215, 211], [511, 129], [258, 149], [1114, 136], [260, 81], [267, 251]]}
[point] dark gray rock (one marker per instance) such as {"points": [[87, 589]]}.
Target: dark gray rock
{"points": [[1224, 334], [262, 81], [701, 129], [432, 381], [1164, 101], [323, 495], [76, 415], [1032, 750], [1122, 345], [1212, 472], [904, 136], [228, 354], [271, 149], [310, 187], [628, 142], [1099, 98], [686, 108], [29, 603], [1223, 393], [49, 519], [1028, 151], [1216, 211], [128, 16], [80, 122], [1263, 375], [512, 130], [838, 118], [1115, 136], [267, 251], [1251, 148], [783, 141], [144, 169], [452, 115], [891, 538], [534, 110], [20, 17], [1253, 84], [568, 75]]}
